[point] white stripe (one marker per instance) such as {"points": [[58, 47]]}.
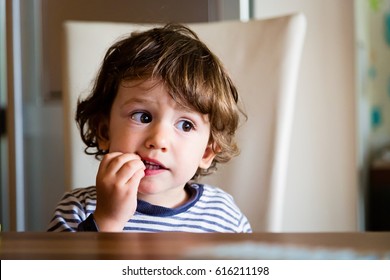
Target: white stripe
{"points": [[224, 218]]}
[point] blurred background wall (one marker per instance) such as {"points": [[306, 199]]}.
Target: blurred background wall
{"points": [[342, 109]]}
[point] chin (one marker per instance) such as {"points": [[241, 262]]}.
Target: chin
{"points": [[148, 189]]}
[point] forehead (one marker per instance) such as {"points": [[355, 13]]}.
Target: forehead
{"points": [[144, 91], [152, 90], [144, 84]]}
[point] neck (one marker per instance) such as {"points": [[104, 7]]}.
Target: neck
{"points": [[173, 199]]}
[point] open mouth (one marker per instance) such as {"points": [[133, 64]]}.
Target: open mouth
{"points": [[152, 165]]}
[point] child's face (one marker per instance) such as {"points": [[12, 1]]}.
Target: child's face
{"points": [[171, 140]]}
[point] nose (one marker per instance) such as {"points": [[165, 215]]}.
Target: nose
{"points": [[158, 137]]}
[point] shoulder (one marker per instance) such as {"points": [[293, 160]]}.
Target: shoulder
{"points": [[74, 207], [81, 198], [219, 202], [215, 198], [211, 193], [81, 194]]}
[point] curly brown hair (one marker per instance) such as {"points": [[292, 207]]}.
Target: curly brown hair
{"points": [[191, 73]]}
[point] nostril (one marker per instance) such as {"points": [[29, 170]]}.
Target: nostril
{"points": [[156, 144]]}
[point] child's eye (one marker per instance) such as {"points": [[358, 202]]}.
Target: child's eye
{"points": [[184, 125], [141, 117]]}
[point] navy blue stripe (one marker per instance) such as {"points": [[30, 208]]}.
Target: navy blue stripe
{"points": [[152, 222], [218, 194], [214, 203], [65, 211], [70, 203], [59, 225], [169, 229], [160, 211], [233, 223], [204, 212], [228, 205], [81, 194], [74, 220]]}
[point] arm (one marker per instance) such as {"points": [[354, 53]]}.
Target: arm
{"points": [[117, 183], [115, 197], [72, 209], [88, 225]]}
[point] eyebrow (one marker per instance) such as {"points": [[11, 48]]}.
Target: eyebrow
{"points": [[178, 105], [142, 100], [136, 100]]}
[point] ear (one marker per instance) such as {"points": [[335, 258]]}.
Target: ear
{"points": [[208, 157], [103, 136], [104, 145]]}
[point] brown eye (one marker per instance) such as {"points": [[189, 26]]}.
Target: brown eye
{"points": [[185, 126], [141, 117]]}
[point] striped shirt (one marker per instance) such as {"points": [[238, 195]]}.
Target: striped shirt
{"points": [[209, 209]]}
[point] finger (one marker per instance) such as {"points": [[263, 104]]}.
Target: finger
{"points": [[136, 178], [107, 158], [129, 169], [115, 162]]}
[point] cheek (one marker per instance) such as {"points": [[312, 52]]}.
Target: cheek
{"points": [[121, 142], [196, 152]]}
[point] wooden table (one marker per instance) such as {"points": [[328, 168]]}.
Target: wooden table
{"points": [[88, 245]]}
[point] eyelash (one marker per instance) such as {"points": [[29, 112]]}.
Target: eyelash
{"points": [[192, 126], [134, 115], [137, 117]]}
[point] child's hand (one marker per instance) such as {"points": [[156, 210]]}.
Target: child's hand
{"points": [[117, 183]]}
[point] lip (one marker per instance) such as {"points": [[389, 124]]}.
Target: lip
{"points": [[155, 167], [154, 162]]}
